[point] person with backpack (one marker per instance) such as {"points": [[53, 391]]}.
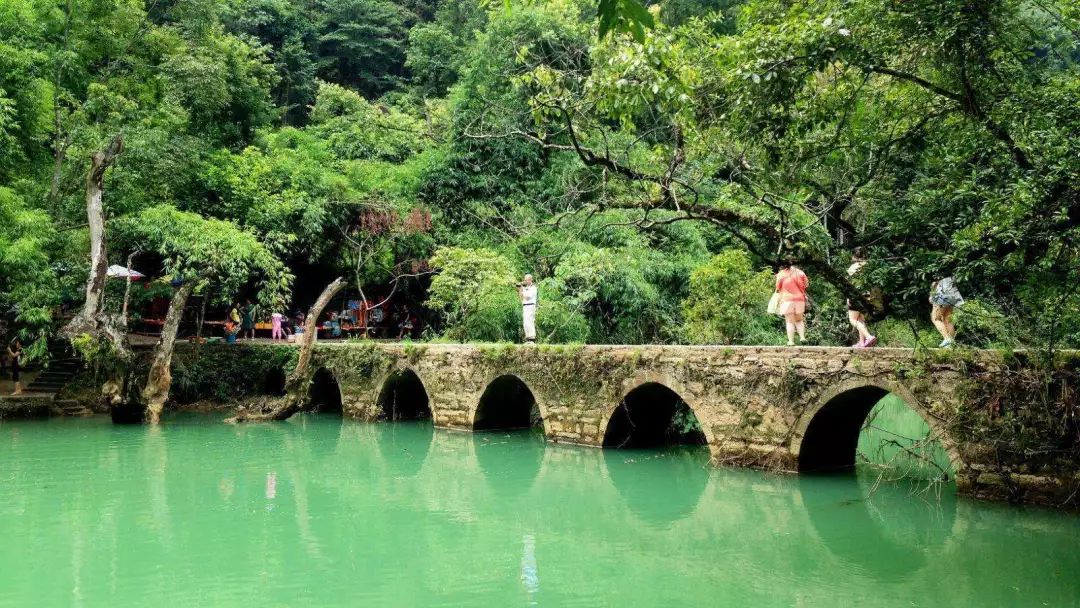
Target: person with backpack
{"points": [[944, 298]]}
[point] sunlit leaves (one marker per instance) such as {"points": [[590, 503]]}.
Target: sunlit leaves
{"points": [[28, 283], [207, 250], [474, 288], [727, 302]]}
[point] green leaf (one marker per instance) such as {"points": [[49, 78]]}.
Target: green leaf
{"points": [[637, 14], [608, 12]]}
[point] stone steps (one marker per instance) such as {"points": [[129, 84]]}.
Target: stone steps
{"points": [[61, 368], [70, 407]]}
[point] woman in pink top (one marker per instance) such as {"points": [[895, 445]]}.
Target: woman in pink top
{"points": [[791, 284]]}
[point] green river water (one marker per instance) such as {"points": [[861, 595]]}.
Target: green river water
{"points": [[323, 512]]}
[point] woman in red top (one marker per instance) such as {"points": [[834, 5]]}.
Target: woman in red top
{"points": [[791, 284]]}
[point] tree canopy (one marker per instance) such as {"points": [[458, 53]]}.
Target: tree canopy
{"points": [[650, 163]]}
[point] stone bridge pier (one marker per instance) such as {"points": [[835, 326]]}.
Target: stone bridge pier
{"points": [[766, 407]]}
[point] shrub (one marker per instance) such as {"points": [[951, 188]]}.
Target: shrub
{"points": [[980, 323], [474, 290], [727, 303]]}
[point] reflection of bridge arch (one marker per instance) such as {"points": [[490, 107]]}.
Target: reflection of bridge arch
{"points": [[508, 403], [644, 416], [659, 488], [324, 394], [885, 532], [403, 397], [826, 435], [404, 447], [509, 462]]}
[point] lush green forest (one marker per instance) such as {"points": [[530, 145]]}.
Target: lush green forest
{"points": [[651, 175]]}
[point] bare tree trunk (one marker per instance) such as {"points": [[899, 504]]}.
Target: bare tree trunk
{"points": [[60, 142], [156, 391], [296, 385], [59, 155], [202, 313], [127, 289], [87, 321]]}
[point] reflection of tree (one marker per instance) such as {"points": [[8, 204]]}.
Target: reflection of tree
{"points": [[157, 464], [301, 502]]}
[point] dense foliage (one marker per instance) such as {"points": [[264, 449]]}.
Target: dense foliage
{"points": [[650, 166]]}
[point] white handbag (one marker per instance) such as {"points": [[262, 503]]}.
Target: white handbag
{"points": [[774, 303]]}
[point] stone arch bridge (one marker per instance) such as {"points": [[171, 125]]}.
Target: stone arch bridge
{"points": [[774, 408]]}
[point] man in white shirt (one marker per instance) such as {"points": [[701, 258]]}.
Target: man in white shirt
{"points": [[527, 292]]}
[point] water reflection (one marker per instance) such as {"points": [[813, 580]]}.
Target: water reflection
{"points": [[885, 531], [661, 487], [404, 446], [300, 423], [509, 460], [530, 572], [103, 515]]}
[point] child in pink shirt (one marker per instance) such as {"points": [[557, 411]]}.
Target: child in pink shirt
{"points": [[275, 326]]}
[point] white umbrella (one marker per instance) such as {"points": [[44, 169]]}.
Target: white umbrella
{"points": [[120, 272]]}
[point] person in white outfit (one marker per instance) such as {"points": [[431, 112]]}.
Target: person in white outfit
{"points": [[527, 292]]}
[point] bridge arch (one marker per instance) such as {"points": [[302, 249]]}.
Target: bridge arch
{"points": [[508, 403], [826, 436], [402, 396], [273, 383], [646, 414], [324, 393]]}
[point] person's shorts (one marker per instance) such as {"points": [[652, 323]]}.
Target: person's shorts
{"points": [[797, 307], [940, 300], [857, 306]]}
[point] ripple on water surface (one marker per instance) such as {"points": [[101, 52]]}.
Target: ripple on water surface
{"points": [[320, 511]]}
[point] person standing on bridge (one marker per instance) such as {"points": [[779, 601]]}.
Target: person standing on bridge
{"points": [[856, 314], [944, 297], [527, 293], [276, 332], [248, 323], [791, 284]]}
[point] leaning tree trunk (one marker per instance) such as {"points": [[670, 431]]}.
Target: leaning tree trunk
{"points": [[156, 391], [87, 320], [296, 384]]}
